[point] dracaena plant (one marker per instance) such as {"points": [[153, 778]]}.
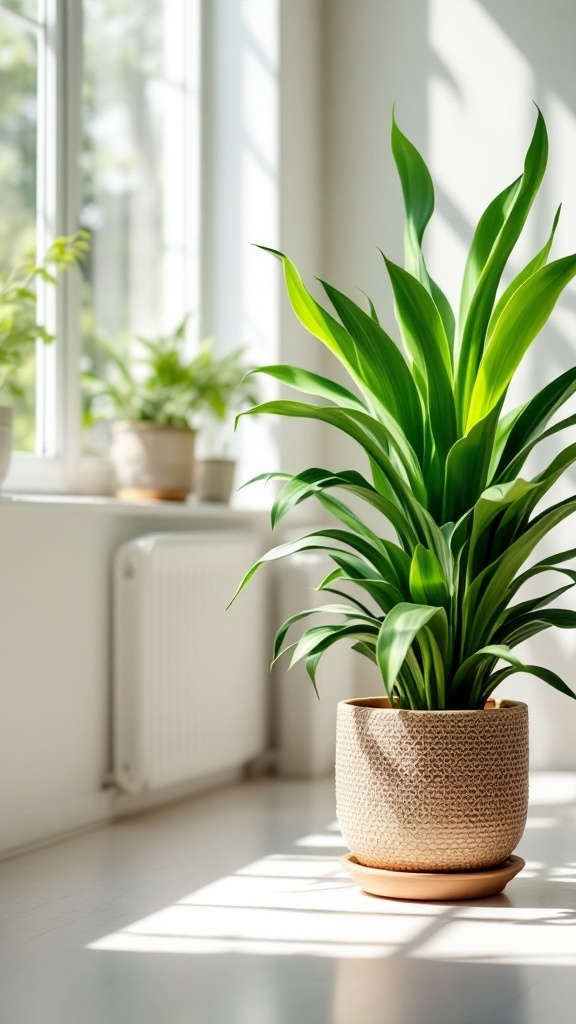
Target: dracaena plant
{"points": [[440, 610]]}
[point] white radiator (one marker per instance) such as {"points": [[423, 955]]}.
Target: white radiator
{"points": [[190, 677]]}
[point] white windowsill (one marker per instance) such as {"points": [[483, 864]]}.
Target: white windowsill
{"points": [[177, 510]]}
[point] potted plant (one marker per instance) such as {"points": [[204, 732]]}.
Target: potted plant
{"points": [[432, 776], [153, 401], [227, 388], [19, 329]]}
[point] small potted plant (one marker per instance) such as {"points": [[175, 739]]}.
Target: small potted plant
{"points": [[431, 777], [19, 329], [152, 399], [155, 401], [227, 388]]}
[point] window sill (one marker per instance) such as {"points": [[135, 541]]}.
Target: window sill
{"points": [[192, 510]]}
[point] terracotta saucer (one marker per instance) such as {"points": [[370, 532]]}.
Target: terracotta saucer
{"points": [[441, 885]]}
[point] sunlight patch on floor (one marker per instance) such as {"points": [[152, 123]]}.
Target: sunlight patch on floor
{"points": [[306, 905]]}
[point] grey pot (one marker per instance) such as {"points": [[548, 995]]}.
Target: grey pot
{"points": [[214, 479]]}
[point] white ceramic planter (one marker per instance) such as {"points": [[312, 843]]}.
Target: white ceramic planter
{"points": [[214, 479], [153, 461], [431, 790], [6, 416]]}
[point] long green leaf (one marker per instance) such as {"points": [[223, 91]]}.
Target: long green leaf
{"points": [[314, 318], [482, 603], [428, 584], [535, 264], [418, 192], [545, 674], [534, 415], [372, 435], [516, 464], [425, 338], [312, 384], [385, 369], [468, 467], [520, 322], [319, 638], [397, 634], [311, 542], [327, 609], [489, 227], [502, 652], [480, 308]]}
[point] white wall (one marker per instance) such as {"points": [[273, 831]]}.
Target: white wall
{"points": [[463, 75]]}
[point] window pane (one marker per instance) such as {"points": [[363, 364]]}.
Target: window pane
{"points": [[135, 199], [18, 75], [29, 8]]}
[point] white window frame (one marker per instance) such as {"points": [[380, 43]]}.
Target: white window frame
{"points": [[59, 465]]}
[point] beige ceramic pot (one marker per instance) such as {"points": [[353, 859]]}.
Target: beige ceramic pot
{"points": [[153, 461], [213, 479], [431, 790], [5, 441]]}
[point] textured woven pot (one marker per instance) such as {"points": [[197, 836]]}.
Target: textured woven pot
{"points": [[431, 790]]}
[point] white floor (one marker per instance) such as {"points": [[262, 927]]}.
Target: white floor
{"points": [[232, 909]]}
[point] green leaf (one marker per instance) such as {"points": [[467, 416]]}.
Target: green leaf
{"points": [[514, 215], [502, 652], [318, 639], [516, 464], [418, 192], [311, 542], [315, 319], [422, 328], [491, 504], [428, 585], [548, 564], [482, 602], [372, 435], [425, 338], [534, 415], [468, 467], [535, 264], [489, 227], [545, 674], [326, 609], [417, 188], [520, 322], [371, 307], [383, 367], [313, 384], [397, 634]]}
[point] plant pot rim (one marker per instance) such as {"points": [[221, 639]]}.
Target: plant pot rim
{"points": [[150, 425], [383, 704], [6, 415]]}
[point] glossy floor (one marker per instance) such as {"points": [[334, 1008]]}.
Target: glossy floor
{"points": [[232, 909]]}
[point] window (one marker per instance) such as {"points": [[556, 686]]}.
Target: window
{"points": [[139, 168], [22, 60], [98, 129]]}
